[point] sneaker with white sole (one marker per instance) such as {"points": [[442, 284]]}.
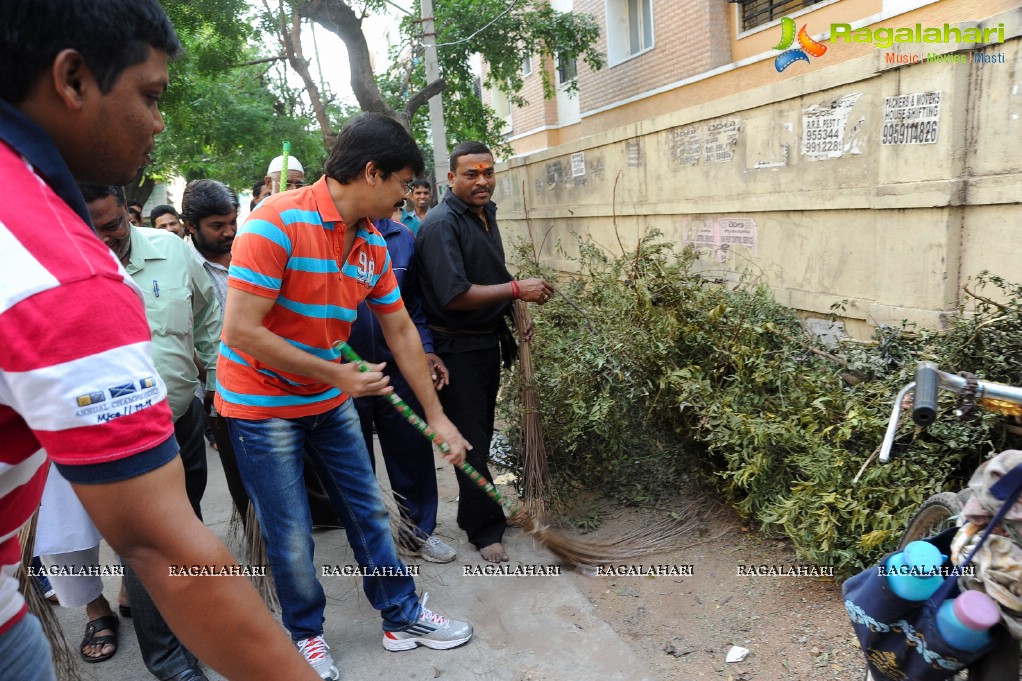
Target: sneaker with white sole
{"points": [[317, 654], [436, 551], [432, 550], [430, 630]]}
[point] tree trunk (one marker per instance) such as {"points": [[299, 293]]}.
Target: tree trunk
{"points": [[338, 18], [295, 57]]}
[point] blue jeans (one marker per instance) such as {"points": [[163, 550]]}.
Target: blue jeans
{"points": [[269, 453], [25, 652]]}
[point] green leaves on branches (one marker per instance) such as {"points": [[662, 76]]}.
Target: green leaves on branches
{"points": [[672, 382]]}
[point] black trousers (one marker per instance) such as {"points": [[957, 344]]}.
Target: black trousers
{"points": [[470, 401], [407, 455]]}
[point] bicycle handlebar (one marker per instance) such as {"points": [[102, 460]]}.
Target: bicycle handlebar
{"points": [[929, 380], [924, 406]]}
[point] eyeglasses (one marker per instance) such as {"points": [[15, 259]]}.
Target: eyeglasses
{"points": [[409, 186]]}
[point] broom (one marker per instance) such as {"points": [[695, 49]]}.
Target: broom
{"points": [[536, 485], [255, 554], [282, 185], [651, 538], [64, 660]]}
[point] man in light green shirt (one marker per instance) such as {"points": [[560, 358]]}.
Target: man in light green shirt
{"points": [[185, 321]]}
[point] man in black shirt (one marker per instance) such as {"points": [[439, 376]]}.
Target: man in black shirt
{"points": [[466, 293]]}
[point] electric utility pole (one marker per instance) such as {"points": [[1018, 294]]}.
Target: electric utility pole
{"points": [[436, 104]]}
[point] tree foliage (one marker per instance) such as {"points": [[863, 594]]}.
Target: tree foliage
{"points": [[504, 32], [228, 125], [227, 110], [675, 382]]}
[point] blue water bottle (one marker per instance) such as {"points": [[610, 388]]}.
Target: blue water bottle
{"points": [[965, 622], [914, 573]]}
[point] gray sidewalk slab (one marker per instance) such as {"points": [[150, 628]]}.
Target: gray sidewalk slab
{"points": [[536, 628]]}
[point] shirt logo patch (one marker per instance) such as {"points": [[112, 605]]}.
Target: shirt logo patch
{"points": [[122, 390], [124, 399], [366, 269], [91, 398]]}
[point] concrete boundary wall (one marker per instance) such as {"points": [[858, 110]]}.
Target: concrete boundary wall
{"points": [[822, 185]]}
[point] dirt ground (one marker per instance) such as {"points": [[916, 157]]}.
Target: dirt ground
{"points": [[684, 626]]}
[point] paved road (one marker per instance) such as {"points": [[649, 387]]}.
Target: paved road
{"points": [[526, 628]]}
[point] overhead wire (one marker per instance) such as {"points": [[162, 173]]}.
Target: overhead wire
{"points": [[488, 24]]}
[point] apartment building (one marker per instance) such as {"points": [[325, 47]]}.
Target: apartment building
{"points": [[872, 167]]}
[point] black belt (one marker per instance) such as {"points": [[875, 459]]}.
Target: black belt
{"points": [[465, 332]]}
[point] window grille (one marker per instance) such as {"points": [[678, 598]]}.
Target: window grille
{"points": [[758, 12]]}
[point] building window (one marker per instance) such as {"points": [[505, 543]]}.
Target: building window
{"points": [[758, 12], [640, 25], [501, 104], [566, 69], [629, 28], [527, 65]]}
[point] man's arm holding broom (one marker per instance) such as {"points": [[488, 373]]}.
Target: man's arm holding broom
{"points": [[150, 524]]}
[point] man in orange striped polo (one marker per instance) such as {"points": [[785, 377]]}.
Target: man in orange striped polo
{"points": [[300, 266]]}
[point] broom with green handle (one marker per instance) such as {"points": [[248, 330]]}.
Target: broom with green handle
{"points": [[649, 538], [282, 185], [420, 425]]}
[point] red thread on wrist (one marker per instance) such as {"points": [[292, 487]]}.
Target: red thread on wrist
{"points": [[516, 291]]}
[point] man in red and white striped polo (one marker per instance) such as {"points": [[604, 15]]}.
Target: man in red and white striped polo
{"points": [[79, 94]]}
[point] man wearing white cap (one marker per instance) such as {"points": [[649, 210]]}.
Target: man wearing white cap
{"points": [[295, 174]]}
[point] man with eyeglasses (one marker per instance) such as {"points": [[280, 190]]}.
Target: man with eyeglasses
{"points": [[300, 266]]}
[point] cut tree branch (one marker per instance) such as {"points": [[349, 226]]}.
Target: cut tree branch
{"points": [[264, 60], [420, 98]]}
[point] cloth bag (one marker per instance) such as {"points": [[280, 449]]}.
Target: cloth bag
{"points": [[900, 637]]}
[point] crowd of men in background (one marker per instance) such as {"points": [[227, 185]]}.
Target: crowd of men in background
{"points": [[201, 320]]}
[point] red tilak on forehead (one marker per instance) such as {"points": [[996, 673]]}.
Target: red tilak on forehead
{"points": [[482, 166]]}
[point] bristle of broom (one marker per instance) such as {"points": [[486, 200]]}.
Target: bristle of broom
{"points": [[255, 555], [235, 538], [64, 659], [536, 487], [647, 539], [401, 526]]}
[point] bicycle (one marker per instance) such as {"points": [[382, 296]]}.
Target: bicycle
{"points": [[941, 511]]}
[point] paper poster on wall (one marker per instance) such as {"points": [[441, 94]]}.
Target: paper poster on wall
{"points": [[686, 145], [823, 128], [634, 150], [721, 235], [911, 119], [736, 232], [578, 164], [721, 141], [699, 233]]}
